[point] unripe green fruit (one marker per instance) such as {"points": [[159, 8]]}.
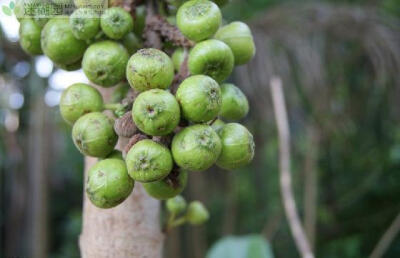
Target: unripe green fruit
{"points": [[132, 43], [156, 112], [196, 147], [85, 23], [149, 69], [177, 58], [168, 187], [234, 103], [116, 22], [200, 98], [29, 34], [70, 67], [120, 92], [176, 204], [59, 44], [115, 154], [213, 58], [104, 63], [108, 183], [140, 20], [79, 99], [237, 146], [238, 37], [197, 214], [94, 135], [148, 161], [217, 125], [198, 19]]}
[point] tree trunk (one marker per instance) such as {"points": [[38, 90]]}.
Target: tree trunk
{"points": [[132, 229]]}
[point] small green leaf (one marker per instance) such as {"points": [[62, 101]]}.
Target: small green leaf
{"points": [[12, 5], [6, 10]]}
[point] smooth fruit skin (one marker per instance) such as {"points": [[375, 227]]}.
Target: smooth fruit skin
{"points": [[29, 33], [156, 112], [176, 204], [148, 69], [198, 19], [168, 187], [177, 58], [70, 67], [234, 103], [104, 63], [79, 99], [85, 23], [238, 37], [120, 92], [148, 161], [59, 43], [217, 125], [132, 43], [115, 154], [200, 98], [237, 146], [197, 214], [93, 134], [196, 147], [213, 58], [108, 183], [115, 22]]}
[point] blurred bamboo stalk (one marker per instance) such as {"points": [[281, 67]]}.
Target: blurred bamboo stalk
{"points": [[311, 184], [386, 239], [289, 204]]}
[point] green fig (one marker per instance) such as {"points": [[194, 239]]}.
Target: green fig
{"points": [[70, 67], [196, 213], [132, 43], [176, 204], [85, 23], [234, 103], [104, 63], [108, 183], [29, 33], [237, 146], [150, 68], [93, 134], [213, 58], [198, 19], [148, 161], [59, 43], [116, 22], [238, 37], [177, 58], [217, 125], [169, 187], [200, 98], [156, 112], [79, 99], [196, 147]]}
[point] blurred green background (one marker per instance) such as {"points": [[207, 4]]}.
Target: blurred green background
{"points": [[339, 61]]}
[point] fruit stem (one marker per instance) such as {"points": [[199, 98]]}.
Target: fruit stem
{"points": [[178, 222], [113, 106]]}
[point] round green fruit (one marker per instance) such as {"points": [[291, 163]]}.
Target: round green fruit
{"points": [[104, 63], [176, 204], [168, 187], [234, 103], [132, 43], [238, 37], [29, 34], [213, 58], [149, 69], [115, 154], [59, 43], [196, 147], [197, 214], [237, 146], [156, 112], [148, 161], [93, 134], [120, 92], [79, 99], [70, 67], [200, 98], [177, 58], [108, 183], [198, 19], [85, 23], [116, 22]]}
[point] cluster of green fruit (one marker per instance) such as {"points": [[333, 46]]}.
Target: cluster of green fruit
{"points": [[191, 117]]}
